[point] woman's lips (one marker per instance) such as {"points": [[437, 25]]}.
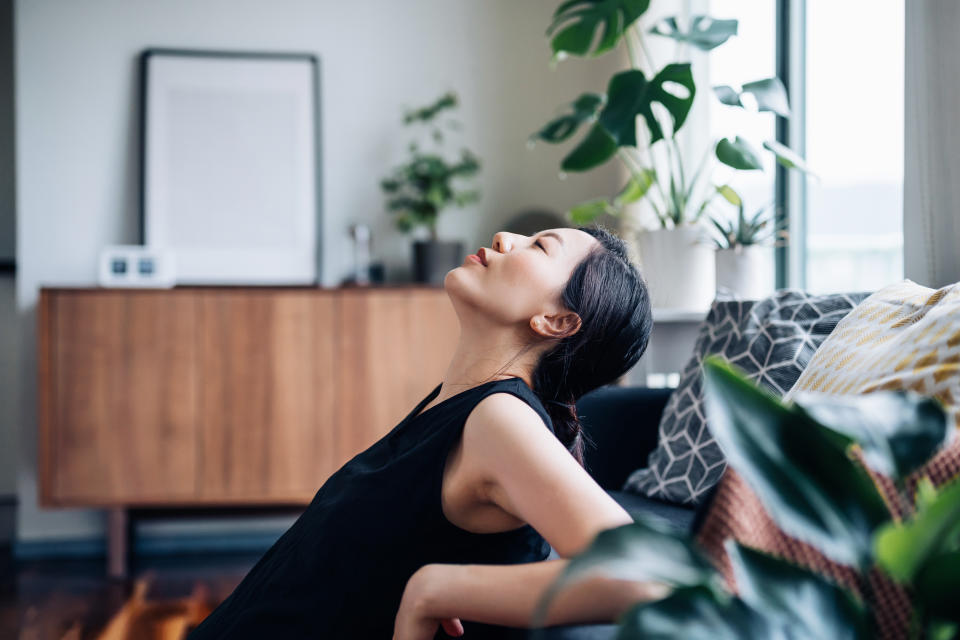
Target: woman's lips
{"points": [[475, 257]]}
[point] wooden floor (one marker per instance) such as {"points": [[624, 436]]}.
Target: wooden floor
{"points": [[45, 599]]}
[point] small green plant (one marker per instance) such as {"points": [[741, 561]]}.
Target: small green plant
{"points": [[744, 230], [419, 190], [799, 459], [660, 98]]}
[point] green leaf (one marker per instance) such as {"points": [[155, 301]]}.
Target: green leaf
{"points": [[787, 156], [596, 148], [583, 109], [576, 21], [937, 586], [905, 549], [898, 431], [696, 613], [770, 95], [636, 188], [730, 195], [738, 154], [806, 603], [645, 550], [629, 94], [800, 470], [705, 32], [728, 95], [428, 113], [587, 212]]}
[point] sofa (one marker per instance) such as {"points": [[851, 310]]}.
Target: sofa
{"points": [[901, 337]]}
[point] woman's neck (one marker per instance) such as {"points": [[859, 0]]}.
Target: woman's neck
{"points": [[484, 356]]}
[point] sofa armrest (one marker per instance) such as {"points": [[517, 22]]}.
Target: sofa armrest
{"points": [[620, 426]]}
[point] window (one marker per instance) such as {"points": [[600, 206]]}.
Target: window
{"points": [[845, 81], [853, 58]]}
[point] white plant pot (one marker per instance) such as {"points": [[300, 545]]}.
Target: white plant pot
{"points": [[679, 267], [745, 271]]}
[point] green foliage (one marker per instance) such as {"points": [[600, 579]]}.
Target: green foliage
{"points": [[905, 549], [739, 154], [575, 23], [662, 98], [799, 460], [769, 93], [744, 230], [796, 467], [583, 109], [704, 33], [420, 189]]}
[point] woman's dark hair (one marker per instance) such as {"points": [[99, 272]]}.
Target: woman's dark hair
{"points": [[610, 295]]}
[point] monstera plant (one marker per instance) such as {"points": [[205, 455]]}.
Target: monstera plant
{"points": [[637, 120], [800, 459]]}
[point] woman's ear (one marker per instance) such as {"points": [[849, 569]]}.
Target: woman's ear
{"points": [[559, 325]]}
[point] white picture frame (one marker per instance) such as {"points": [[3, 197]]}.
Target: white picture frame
{"points": [[230, 165]]}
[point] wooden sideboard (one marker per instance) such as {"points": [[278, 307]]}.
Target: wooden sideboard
{"points": [[208, 396]]}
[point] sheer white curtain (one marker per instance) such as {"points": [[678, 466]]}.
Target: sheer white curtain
{"points": [[931, 199]]}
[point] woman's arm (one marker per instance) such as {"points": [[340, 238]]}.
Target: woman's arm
{"points": [[520, 466], [508, 594]]}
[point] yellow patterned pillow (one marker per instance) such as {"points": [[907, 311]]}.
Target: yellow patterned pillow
{"points": [[904, 336]]}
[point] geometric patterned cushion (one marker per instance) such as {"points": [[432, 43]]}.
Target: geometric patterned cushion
{"points": [[772, 340]]}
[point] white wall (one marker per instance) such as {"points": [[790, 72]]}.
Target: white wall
{"points": [[77, 129]]}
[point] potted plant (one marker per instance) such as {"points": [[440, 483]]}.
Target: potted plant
{"points": [[743, 264], [677, 250], [801, 460], [419, 190]]}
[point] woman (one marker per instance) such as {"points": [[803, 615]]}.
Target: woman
{"points": [[445, 521]]}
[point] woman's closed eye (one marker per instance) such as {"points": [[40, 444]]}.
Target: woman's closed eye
{"points": [[540, 244]]}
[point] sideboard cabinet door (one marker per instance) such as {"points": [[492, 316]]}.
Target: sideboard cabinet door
{"points": [[266, 394], [117, 397], [393, 348]]}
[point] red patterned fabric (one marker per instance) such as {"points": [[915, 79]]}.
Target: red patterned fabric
{"points": [[736, 512]]}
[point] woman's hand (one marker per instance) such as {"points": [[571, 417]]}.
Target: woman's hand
{"points": [[413, 621]]}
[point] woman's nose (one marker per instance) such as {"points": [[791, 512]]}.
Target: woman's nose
{"points": [[502, 242]]}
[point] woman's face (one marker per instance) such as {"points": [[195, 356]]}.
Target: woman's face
{"points": [[523, 277]]}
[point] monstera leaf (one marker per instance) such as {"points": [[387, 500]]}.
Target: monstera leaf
{"points": [[705, 32], [583, 109], [801, 471], [575, 23], [596, 148], [769, 93], [738, 154], [630, 94]]}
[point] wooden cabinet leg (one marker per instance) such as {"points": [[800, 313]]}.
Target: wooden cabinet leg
{"points": [[118, 542]]}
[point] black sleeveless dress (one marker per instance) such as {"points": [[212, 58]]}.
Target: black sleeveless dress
{"points": [[340, 570]]}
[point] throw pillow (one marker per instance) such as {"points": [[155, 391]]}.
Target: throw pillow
{"points": [[772, 340], [904, 336]]}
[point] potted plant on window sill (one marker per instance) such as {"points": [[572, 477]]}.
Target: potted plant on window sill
{"points": [[743, 258], [419, 190]]}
